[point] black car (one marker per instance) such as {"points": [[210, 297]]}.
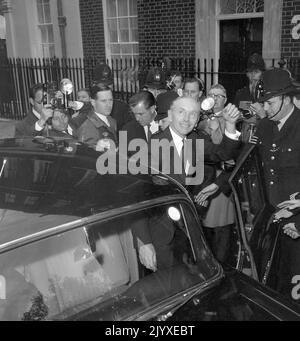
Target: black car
{"points": [[69, 241]]}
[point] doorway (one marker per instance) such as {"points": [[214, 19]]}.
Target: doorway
{"points": [[239, 38]]}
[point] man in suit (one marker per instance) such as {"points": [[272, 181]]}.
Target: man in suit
{"points": [[99, 125], [143, 107], [279, 147], [184, 115], [37, 116]]}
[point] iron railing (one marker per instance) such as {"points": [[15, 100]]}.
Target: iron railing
{"points": [[18, 75]]}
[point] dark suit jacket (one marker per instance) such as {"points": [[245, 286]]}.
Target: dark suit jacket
{"points": [[213, 153], [121, 113], [134, 131], [26, 127], [145, 229]]}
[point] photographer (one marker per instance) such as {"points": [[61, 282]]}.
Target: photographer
{"points": [[246, 98], [38, 115]]}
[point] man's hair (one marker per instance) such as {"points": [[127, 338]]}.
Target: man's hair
{"points": [[219, 87], [86, 90], [194, 80], [34, 89], [176, 73], [145, 97], [98, 88]]}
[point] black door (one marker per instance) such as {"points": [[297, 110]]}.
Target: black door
{"points": [[258, 231], [238, 40]]}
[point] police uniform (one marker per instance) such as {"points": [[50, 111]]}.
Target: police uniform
{"points": [[280, 153]]}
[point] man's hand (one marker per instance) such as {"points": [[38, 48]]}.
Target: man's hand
{"points": [[253, 139], [258, 108], [231, 114], [205, 193], [283, 214], [147, 256], [46, 113], [291, 231], [289, 204]]}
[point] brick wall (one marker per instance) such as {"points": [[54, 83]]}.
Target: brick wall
{"points": [[92, 27], [166, 28], [289, 46]]}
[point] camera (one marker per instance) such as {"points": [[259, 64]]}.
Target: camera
{"points": [[57, 96]]}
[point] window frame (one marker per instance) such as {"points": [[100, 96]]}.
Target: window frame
{"points": [[48, 46], [108, 44]]}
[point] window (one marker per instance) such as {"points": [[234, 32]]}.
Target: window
{"points": [[46, 28], [96, 269], [121, 28], [241, 6]]}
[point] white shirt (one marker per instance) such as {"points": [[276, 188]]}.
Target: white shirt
{"points": [[154, 127], [38, 116], [103, 118], [283, 120], [178, 142]]}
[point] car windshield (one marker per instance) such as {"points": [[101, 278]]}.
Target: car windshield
{"points": [[109, 270]]}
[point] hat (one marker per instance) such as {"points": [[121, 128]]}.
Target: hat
{"points": [[156, 79], [163, 104], [277, 82], [255, 62], [103, 74]]}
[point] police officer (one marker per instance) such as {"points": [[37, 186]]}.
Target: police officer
{"points": [[279, 147], [156, 81]]}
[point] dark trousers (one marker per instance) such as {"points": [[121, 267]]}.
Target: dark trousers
{"points": [[218, 239]]}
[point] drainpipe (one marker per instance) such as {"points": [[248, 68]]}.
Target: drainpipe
{"points": [[62, 23]]}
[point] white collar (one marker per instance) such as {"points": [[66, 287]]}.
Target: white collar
{"points": [[283, 120], [177, 140], [103, 118]]}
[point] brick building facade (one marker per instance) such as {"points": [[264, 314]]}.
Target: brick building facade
{"points": [[290, 47], [92, 28], [166, 28]]}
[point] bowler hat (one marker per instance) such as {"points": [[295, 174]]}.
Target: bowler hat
{"points": [[156, 79], [255, 62], [103, 74], [163, 103], [277, 82]]}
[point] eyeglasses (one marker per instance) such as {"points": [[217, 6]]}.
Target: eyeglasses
{"points": [[216, 96]]}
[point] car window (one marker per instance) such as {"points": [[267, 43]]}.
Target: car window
{"points": [[96, 271]]}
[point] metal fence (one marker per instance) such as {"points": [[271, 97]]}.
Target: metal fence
{"points": [[18, 75]]}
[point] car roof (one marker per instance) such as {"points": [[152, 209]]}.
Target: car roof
{"points": [[47, 183]]}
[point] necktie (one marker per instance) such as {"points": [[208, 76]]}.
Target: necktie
{"points": [[149, 133], [182, 156], [275, 127]]}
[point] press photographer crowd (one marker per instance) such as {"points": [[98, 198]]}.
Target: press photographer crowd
{"points": [[265, 113]]}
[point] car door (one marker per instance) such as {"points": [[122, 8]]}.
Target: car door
{"points": [[258, 231]]}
